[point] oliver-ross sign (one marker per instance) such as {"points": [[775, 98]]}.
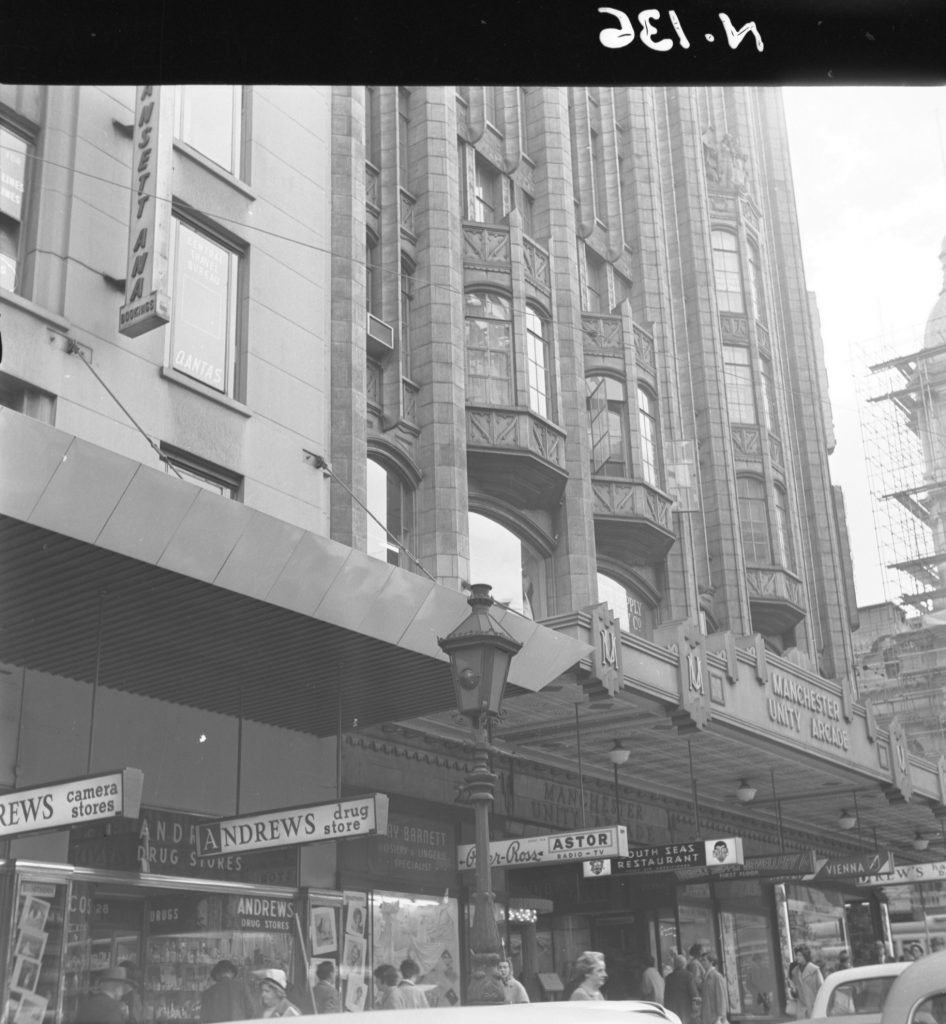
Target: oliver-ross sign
{"points": [[63, 804], [528, 851], [698, 853], [361, 816]]}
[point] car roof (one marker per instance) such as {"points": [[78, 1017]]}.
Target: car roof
{"points": [[572, 1012], [923, 978]]}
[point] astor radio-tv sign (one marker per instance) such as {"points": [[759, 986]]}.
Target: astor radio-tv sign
{"points": [[528, 851], [344, 819]]}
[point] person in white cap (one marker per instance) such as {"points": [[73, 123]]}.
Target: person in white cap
{"points": [[272, 991]]}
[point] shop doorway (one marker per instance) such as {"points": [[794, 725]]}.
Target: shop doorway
{"points": [[624, 942]]}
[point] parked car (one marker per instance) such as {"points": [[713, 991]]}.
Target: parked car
{"points": [[918, 996], [855, 995], [579, 1012]]}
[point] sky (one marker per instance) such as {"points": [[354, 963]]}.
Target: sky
{"points": [[869, 168]]}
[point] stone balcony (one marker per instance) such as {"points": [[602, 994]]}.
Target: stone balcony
{"points": [[776, 599], [633, 521], [516, 455]]}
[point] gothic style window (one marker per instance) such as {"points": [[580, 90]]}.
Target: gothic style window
{"points": [[538, 356], [756, 292], [770, 407], [647, 425], [489, 360], [754, 520], [783, 534], [487, 192], [407, 300], [607, 422], [390, 524], [634, 613], [737, 372], [403, 128], [514, 569], [727, 273]]}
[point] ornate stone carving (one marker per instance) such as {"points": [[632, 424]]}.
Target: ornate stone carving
{"points": [[538, 269], [734, 327], [407, 212], [747, 443], [602, 333], [372, 187], [485, 244], [644, 348]]}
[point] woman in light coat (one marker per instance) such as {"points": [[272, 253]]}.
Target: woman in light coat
{"points": [[805, 978]]}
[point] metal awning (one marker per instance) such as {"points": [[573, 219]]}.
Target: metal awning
{"points": [[112, 570]]}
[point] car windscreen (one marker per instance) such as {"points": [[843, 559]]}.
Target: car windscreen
{"points": [[864, 996]]}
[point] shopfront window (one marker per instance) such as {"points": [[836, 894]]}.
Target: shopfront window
{"points": [[748, 957], [424, 929], [36, 950], [816, 919]]}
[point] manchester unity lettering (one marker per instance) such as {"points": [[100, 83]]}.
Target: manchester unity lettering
{"points": [[792, 698]]}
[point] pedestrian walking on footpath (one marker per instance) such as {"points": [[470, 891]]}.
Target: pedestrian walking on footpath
{"points": [[715, 1002], [681, 992]]}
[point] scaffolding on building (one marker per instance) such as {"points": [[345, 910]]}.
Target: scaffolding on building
{"points": [[901, 403], [896, 404]]}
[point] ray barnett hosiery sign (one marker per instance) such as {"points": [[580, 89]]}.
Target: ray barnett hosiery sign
{"points": [[557, 848], [343, 819]]}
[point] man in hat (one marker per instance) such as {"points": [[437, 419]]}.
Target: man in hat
{"points": [[104, 1005], [272, 993], [224, 999]]}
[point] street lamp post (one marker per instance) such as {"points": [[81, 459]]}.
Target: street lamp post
{"points": [[480, 651]]}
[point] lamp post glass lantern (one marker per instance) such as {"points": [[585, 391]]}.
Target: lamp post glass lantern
{"points": [[480, 652]]}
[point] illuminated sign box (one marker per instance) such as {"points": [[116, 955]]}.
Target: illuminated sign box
{"points": [[698, 853], [76, 801], [344, 819], [586, 844]]}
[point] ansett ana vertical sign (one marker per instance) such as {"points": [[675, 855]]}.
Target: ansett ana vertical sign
{"points": [[362, 816], [74, 802], [146, 290]]}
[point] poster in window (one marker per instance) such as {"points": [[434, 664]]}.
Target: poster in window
{"points": [[201, 308], [356, 914], [34, 914], [31, 1009], [12, 175], [30, 943], [322, 933], [355, 996], [25, 973], [353, 962]]}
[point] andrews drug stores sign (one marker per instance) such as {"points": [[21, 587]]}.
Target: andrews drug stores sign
{"points": [[362, 816]]}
